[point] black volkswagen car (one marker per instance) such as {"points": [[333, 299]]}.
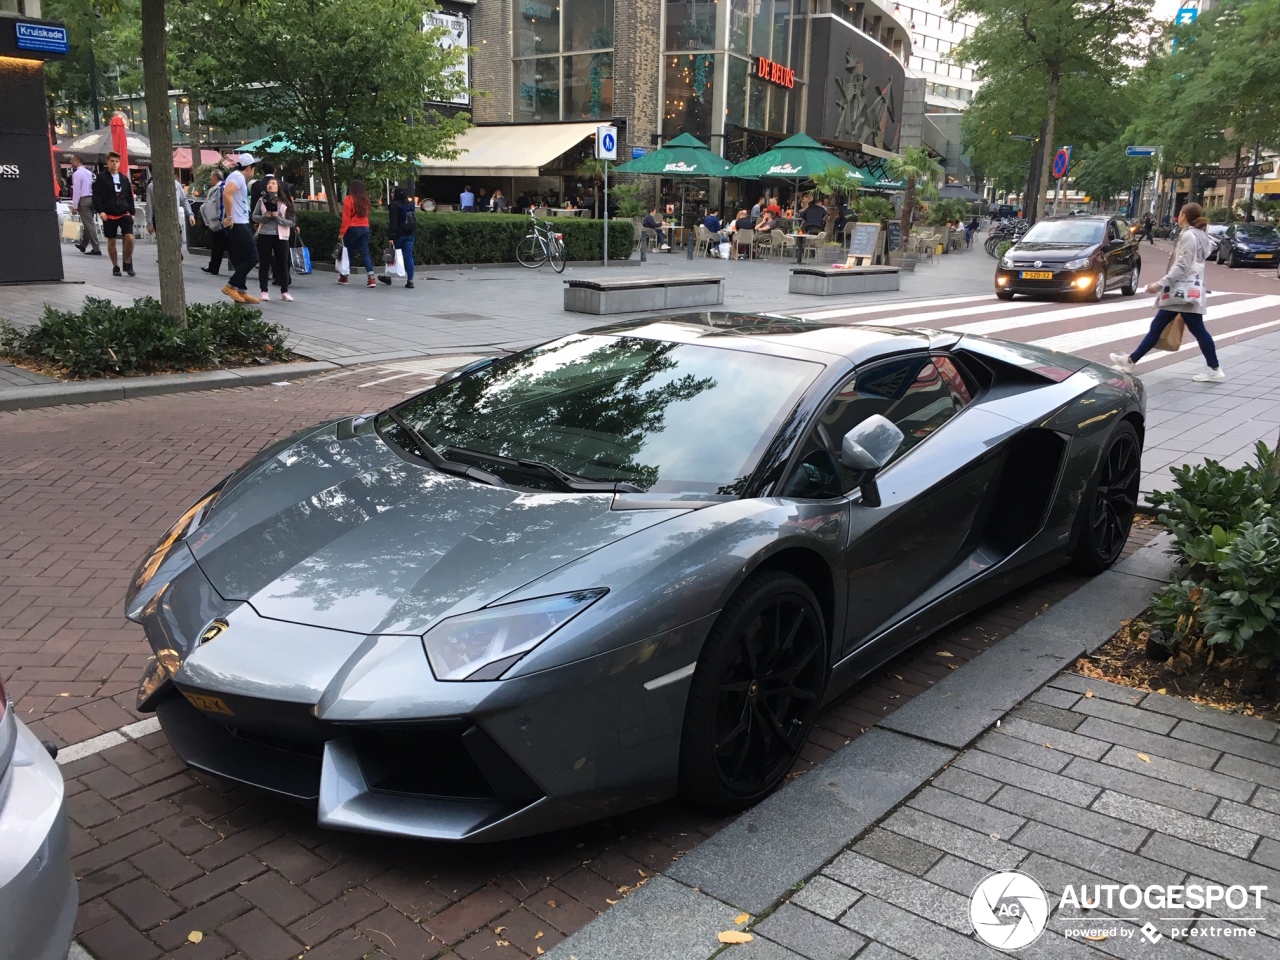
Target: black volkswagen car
{"points": [[1071, 256], [1249, 243]]}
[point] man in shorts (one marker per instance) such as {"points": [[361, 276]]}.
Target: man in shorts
{"points": [[113, 202]]}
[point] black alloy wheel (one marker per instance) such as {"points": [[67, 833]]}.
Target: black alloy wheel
{"points": [[1106, 512], [754, 695]]}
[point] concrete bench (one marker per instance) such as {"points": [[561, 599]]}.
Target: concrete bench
{"points": [[636, 294], [832, 282]]}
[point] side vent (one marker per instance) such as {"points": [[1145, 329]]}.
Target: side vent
{"points": [[1024, 490]]}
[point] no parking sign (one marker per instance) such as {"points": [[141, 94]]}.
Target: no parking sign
{"points": [[1061, 161]]}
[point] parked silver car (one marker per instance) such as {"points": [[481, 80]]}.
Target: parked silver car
{"points": [[38, 896]]}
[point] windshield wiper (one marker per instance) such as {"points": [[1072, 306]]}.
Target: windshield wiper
{"points": [[568, 482], [436, 459]]}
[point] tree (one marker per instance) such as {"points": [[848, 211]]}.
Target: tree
{"points": [[1047, 41], [173, 294], [1104, 171], [346, 81], [836, 184], [103, 62], [921, 172]]}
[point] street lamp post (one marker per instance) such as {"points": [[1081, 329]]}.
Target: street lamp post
{"points": [[1253, 176]]}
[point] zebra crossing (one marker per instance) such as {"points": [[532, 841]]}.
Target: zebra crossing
{"points": [[1093, 330]]}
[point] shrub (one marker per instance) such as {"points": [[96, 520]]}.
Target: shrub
{"points": [[871, 209], [1226, 529], [104, 339], [948, 210]]}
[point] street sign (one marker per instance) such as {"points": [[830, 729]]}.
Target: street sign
{"points": [[638, 152], [1141, 151], [1061, 161], [1185, 16], [47, 38], [606, 143]]}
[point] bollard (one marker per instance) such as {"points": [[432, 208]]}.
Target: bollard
{"points": [[643, 243], [688, 245]]}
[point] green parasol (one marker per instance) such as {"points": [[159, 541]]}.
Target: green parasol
{"points": [[796, 158], [685, 156]]}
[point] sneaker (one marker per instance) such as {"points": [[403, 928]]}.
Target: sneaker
{"points": [[94, 253], [665, 246], [210, 271], [371, 280], [287, 297], [386, 280], [342, 278], [115, 271], [264, 295], [1212, 375], [1121, 362], [247, 297], [128, 268], [408, 284]]}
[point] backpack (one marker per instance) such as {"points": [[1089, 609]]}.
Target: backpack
{"points": [[212, 208], [409, 220]]}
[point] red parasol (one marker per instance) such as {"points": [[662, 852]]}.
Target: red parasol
{"points": [[53, 157], [118, 142], [182, 157]]}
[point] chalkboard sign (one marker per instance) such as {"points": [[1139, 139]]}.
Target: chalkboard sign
{"points": [[894, 229], [863, 241]]}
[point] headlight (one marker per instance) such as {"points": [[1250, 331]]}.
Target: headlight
{"points": [[1078, 264], [184, 525], [1241, 246], [1006, 263], [482, 645]]}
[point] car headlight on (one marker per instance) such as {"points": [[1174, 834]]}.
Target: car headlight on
{"points": [[1080, 264], [483, 644]]}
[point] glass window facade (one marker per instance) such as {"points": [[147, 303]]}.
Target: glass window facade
{"points": [[550, 84]]}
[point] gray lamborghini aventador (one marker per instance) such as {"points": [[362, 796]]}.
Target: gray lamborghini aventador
{"points": [[624, 565]]}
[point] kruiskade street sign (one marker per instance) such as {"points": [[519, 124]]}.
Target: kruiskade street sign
{"points": [[47, 38], [1141, 151]]}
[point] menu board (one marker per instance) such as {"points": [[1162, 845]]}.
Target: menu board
{"points": [[894, 231], [864, 241]]}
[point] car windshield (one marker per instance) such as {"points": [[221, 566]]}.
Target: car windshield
{"points": [[1065, 231], [666, 417], [1256, 231]]}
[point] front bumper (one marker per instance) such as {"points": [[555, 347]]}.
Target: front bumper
{"points": [[1258, 258], [1061, 282], [38, 896]]}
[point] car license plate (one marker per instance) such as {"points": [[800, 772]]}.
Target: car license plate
{"points": [[207, 703], [1265, 256], [1036, 275]]}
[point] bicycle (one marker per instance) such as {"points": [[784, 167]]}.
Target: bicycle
{"points": [[542, 244]]}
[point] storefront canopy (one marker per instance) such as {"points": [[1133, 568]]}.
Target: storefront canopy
{"points": [[796, 158], [93, 147], [684, 156], [182, 157], [508, 150], [958, 191]]}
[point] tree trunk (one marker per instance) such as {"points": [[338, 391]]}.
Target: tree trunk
{"points": [[173, 295], [1046, 150], [1231, 190], [908, 202]]}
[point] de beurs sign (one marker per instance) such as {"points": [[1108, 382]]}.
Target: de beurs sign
{"points": [[774, 72]]}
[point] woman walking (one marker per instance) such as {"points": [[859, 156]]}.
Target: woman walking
{"points": [[274, 216], [402, 221], [1186, 265], [354, 230]]}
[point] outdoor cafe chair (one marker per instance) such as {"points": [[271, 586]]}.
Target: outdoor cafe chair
{"points": [[783, 245], [702, 239], [811, 246], [744, 238]]}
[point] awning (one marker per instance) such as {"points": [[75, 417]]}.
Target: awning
{"points": [[510, 150]]}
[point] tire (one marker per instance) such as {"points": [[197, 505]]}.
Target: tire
{"points": [[1106, 511], [754, 695], [1004, 294], [1130, 288], [555, 253], [1099, 287], [1232, 260], [531, 252]]}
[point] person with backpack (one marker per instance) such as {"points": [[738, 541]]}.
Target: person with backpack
{"points": [[353, 232], [402, 225], [211, 213], [275, 219]]}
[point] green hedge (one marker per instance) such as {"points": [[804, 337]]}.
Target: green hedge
{"points": [[105, 340], [461, 237]]}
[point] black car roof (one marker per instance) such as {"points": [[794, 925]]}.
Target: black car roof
{"points": [[782, 335]]}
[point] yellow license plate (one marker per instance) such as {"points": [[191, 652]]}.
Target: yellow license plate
{"points": [[1036, 275], [207, 703], [1265, 256]]}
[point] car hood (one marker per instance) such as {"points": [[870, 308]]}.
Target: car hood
{"points": [[347, 535], [1050, 252], [1260, 243]]}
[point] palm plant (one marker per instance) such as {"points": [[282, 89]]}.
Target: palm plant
{"points": [[593, 169], [836, 184], [875, 209], [921, 173]]}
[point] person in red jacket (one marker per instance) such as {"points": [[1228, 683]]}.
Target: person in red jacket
{"points": [[354, 230]]}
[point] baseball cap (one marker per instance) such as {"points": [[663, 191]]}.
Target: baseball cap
{"points": [[247, 160]]}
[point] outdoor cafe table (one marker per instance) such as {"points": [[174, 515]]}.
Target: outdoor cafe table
{"points": [[801, 239], [566, 212]]}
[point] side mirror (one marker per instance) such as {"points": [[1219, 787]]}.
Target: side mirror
{"points": [[1117, 243], [466, 368], [867, 448]]}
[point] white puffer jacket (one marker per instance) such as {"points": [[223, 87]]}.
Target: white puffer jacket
{"points": [[1187, 261]]}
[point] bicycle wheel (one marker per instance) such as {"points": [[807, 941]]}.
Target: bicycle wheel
{"points": [[556, 254], [531, 252]]}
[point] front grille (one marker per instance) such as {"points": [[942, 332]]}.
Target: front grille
{"points": [[428, 760]]}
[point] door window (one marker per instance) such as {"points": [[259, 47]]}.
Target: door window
{"points": [[917, 393]]}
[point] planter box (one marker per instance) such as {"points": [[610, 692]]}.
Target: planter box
{"points": [[637, 294], [830, 282]]}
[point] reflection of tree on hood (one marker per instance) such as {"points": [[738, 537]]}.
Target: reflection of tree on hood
{"points": [[595, 424]]}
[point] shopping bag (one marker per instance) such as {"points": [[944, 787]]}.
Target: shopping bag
{"points": [[726, 251], [71, 230], [397, 269], [1171, 337], [344, 263]]}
